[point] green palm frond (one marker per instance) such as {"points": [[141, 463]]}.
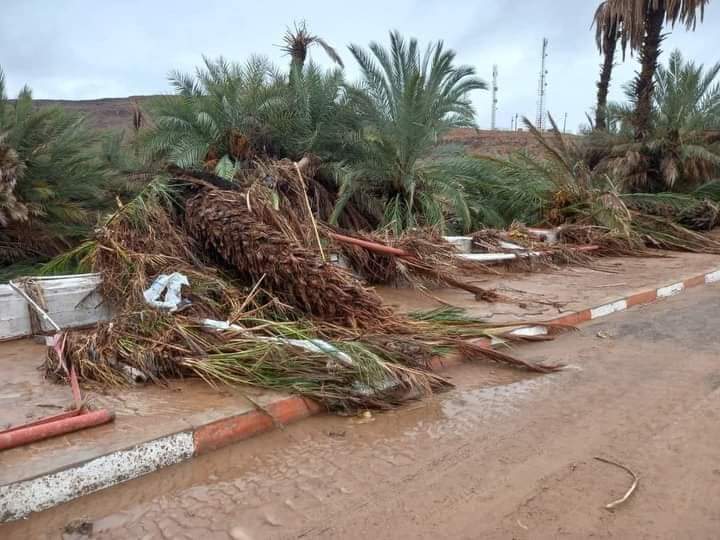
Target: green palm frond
{"points": [[407, 100]]}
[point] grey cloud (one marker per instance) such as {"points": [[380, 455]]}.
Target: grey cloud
{"points": [[80, 49]]}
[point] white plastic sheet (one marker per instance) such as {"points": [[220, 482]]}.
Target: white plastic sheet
{"points": [[171, 286]]}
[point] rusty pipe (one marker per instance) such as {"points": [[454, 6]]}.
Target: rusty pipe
{"points": [[371, 246], [45, 430]]}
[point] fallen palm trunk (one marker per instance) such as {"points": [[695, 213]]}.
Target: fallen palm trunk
{"points": [[243, 236]]}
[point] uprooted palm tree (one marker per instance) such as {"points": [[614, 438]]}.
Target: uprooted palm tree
{"points": [[408, 99], [52, 185], [297, 42], [590, 203], [641, 23], [683, 150]]}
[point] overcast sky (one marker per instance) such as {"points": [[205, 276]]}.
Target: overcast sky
{"points": [[83, 49]]}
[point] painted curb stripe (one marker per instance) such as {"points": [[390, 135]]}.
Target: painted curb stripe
{"points": [[670, 290], [694, 281], [530, 331], [21, 498], [712, 277], [608, 309], [236, 428], [642, 298]]}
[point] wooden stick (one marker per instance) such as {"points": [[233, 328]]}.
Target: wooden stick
{"points": [[632, 488], [312, 217]]}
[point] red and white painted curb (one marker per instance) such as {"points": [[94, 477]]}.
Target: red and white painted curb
{"points": [[621, 304], [21, 498]]}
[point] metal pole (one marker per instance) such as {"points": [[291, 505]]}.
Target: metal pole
{"points": [[493, 110], [542, 84]]}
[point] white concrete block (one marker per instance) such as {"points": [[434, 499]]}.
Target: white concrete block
{"points": [[530, 331]]}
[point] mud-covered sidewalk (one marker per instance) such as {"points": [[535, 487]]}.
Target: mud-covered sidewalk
{"points": [[515, 460], [159, 426]]}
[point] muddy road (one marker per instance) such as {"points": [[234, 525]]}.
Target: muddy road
{"points": [[504, 455]]}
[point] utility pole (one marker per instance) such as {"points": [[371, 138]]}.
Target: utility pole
{"points": [[493, 111], [542, 85], [564, 122]]}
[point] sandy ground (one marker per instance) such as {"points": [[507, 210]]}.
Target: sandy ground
{"points": [[514, 460], [550, 293]]}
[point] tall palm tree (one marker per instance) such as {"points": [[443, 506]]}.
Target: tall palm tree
{"points": [[607, 32], [407, 100], [683, 149], [642, 25], [297, 42]]}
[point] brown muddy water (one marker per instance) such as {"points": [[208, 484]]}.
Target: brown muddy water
{"points": [[287, 479]]}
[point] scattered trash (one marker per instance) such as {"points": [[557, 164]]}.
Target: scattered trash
{"points": [[629, 492], [603, 335]]}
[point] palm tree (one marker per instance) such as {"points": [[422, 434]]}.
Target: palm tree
{"points": [[227, 114], [216, 117], [607, 32], [683, 149], [52, 184], [642, 25], [299, 40], [407, 101]]}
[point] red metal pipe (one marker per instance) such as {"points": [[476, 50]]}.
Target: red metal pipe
{"points": [[27, 435], [46, 420], [372, 246]]}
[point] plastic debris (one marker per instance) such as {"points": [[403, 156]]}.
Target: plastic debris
{"points": [[171, 286]]}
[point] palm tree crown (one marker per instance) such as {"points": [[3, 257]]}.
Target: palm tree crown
{"points": [[406, 101]]}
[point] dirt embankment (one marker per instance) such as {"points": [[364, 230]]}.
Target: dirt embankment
{"points": [[106, 113], [487, 142], [116, 113]]}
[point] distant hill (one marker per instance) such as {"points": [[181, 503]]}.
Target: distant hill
{"points": [[116, 113], [106, 113]]}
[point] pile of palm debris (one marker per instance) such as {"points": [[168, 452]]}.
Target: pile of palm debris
{"points": [[251, 297]]}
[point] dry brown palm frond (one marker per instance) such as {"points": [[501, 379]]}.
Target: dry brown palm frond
{"points": [[11, 168]]}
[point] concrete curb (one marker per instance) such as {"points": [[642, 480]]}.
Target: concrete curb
{"points": [[21, 498]]}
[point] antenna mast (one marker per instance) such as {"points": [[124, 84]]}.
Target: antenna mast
{"points": [[493, 111], [542, 85]]}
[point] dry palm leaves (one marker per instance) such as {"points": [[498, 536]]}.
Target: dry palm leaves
{"points": [[531, 254], [288, 320], [11, 209]]}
